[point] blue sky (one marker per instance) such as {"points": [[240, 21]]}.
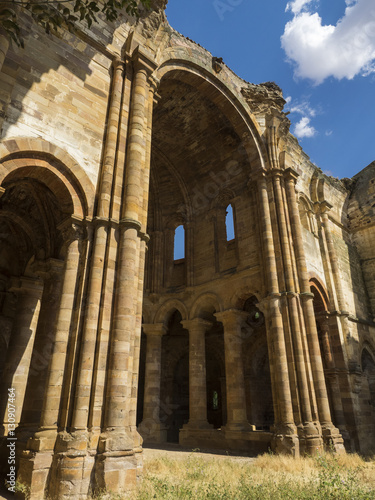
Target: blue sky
{"points": [[321, 53]]}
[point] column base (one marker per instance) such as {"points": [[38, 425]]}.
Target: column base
{"points": [[285, 440], [332, 439], [35, 464], [118, 463], [72, 466], [152, 431], [196, 425], [311, 440], [34, 469], [238, 426]]}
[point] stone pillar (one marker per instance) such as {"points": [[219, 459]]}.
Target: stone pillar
{"points": [[151, 428], [21, 344], [98, 260], [330, 433], [311, 432], [116, 462], [197, 373], [37, 458], [234, 372], [285, 438], [51, 271]]}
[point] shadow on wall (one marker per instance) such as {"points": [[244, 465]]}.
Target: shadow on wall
{"points": [[57, 87]]}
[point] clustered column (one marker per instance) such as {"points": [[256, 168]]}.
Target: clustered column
{"points": [[330, 433], [285, 439], [45, 438]]}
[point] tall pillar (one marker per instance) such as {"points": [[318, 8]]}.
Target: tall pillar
{"points": [[151, 428], [37, 458], [197, 373], [285, 438], [103, 231], [331, 435], [311, 432], [116, 462], [235, 381], [21, 345]]}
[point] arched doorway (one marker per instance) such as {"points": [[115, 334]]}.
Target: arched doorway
{"points": [[259, 400], [40, 214], [174, 406]]}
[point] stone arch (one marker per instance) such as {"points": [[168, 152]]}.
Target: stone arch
{"points": [[44, 161], [204, 303], [321, 294], [241, 295], [166, 310], [224, 98]]}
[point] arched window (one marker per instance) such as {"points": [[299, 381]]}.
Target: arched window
{"points": [[179, 243], [229, 223]]}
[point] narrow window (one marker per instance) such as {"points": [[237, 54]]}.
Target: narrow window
{"points": [[215, 400], [229, 223], [179, 243]]}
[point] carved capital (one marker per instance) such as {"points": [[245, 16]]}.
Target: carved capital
{"points": [[72, 230], [154, 329]]}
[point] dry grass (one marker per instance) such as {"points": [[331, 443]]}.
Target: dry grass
{"points": [[268, 477]]}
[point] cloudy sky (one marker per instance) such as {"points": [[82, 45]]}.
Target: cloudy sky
{"points": [[320, 52]]}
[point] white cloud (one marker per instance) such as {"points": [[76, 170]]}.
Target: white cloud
{"points": [[303, 129], [302, 108], [297, 5], [343, 51]]}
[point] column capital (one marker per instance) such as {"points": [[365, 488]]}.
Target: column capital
{"points": [[26, 285], [324, 206], [291, 175], [231, 316], [196, 324], [72, 229], [154, 329], [257, 175], [143, 60], [118, 64]]}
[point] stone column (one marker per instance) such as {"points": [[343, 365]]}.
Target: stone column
{"points": [[36, 460], [234, 372], [306, 399], [21, 344], [116, 464], [151, 428], [197, 373], [45, 437], [330, 433], [285, 440], [103, 231]]}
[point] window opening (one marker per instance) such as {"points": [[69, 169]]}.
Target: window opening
{"points": [[229, 223], [179, 243], [215, 400]]}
